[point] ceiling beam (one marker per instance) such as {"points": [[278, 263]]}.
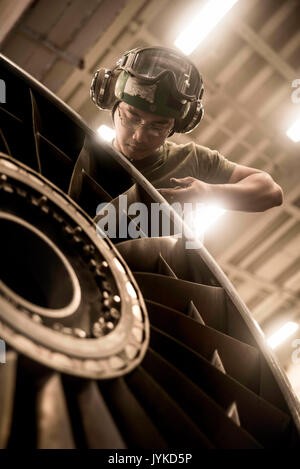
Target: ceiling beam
{"points": [[10, 13], [262, 48], [108, 37], [259, 225]]}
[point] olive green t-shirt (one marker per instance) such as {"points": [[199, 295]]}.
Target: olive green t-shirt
{"points": [[180, 161]]}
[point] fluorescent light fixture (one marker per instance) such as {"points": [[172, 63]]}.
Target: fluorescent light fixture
{"points": [[107, 133], [294, 131], [203, 218], [202, 23], [283, 333]]}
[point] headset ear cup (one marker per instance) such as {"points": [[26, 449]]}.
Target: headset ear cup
{"points": [[96, 85], [103, 88], [192, 118]]}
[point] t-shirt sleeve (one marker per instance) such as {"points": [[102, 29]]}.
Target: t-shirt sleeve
{"points": [[213, 167]]}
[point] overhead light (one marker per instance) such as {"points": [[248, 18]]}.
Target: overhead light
{"points": [[283, 333], [294, 131], [107, 133], [203, 218], [202, 23]]}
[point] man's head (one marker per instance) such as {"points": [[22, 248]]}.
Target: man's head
{"points": [[161, 84]]}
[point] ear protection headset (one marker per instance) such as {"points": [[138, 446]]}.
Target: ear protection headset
{"points": [[185, 86], [103, 85]]}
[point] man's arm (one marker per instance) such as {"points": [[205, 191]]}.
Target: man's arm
{"points": [[248, 189]]}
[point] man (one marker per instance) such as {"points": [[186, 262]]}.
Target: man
{"points": [[154, 92]]}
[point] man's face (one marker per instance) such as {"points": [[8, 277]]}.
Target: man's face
{"points": [[139, 133]]}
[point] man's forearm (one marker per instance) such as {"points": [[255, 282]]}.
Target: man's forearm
{"points": [[255, 193]]}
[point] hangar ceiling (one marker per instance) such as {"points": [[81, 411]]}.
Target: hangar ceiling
{"points": [[249, 64]]}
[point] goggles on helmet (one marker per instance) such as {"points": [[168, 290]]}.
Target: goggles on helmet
{"points": [[150, 64]]}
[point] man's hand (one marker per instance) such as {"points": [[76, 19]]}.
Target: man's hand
{"points": [[187, 189], [248, 189]]}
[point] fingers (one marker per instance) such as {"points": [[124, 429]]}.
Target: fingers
{"points": [[176, 195], [172, 192], [182, 192], [183, 181]]}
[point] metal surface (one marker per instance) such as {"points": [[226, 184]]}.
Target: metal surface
{"points": [[64, 291]]}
